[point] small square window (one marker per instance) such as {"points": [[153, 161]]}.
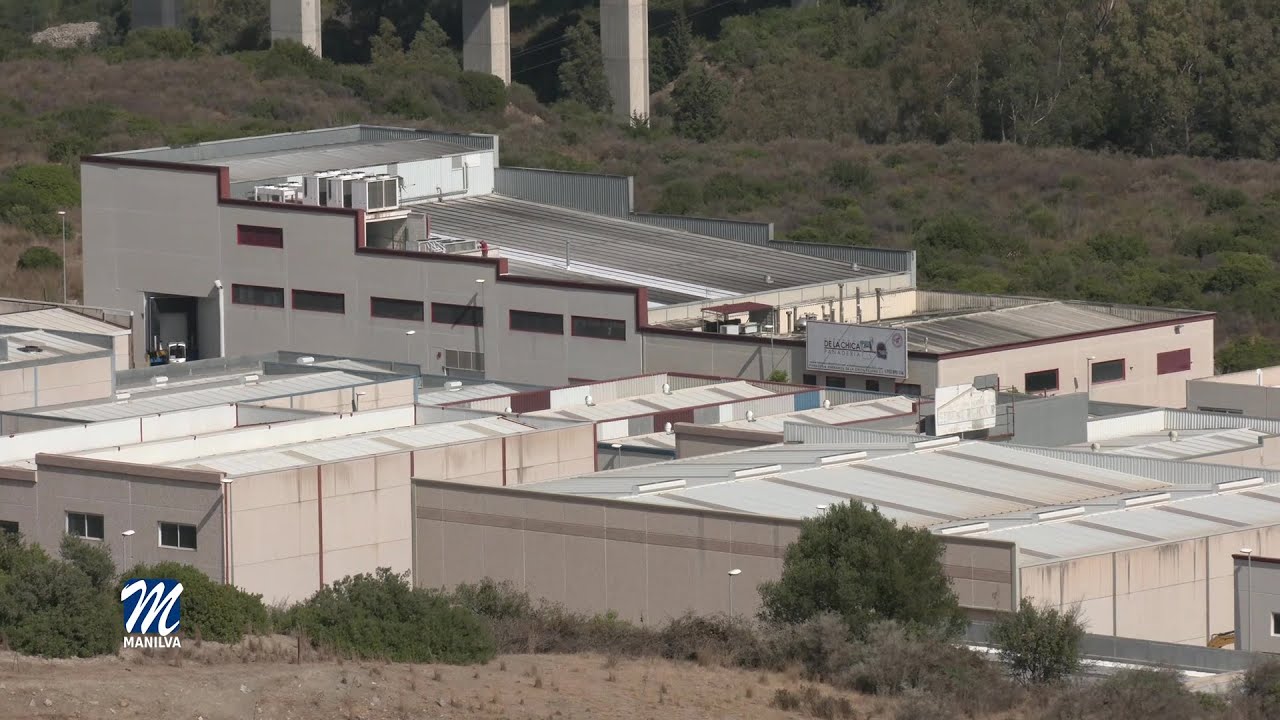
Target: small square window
{"points": [[177, 535], [835, 382], [85, 525], [9, 527], [810, 379], [873, 385], [1041, 381]]}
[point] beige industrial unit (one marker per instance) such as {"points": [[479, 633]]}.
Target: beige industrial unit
{"points": [[647, 563]]}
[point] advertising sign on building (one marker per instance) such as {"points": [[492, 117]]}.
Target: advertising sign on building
{"points": [[963, 408], [856, 349]]}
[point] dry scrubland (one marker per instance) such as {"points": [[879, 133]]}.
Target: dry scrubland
{"points": [[222, 683]]}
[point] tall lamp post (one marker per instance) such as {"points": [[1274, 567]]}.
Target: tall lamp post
{"points": [[127, 535], [408, 345], [480, 319], [732, 574], [63, 214], [1248, 600]]}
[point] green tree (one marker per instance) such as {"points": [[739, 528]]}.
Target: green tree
{"points": [[677, 46], [386, 49], [217, 611], [430, 48], [779, 376], [582, 69], [92, 559], [39, 258], [52, 607], [864, 567], [1039, 645], [232, 25], [1237, 270], [699, 102], [1248, 353]]}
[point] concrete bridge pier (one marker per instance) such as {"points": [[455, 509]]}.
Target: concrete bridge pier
{"points": [[624, 38], [486, 37], [297, 20]]}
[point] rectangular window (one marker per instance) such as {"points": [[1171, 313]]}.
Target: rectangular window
{"points": [[257, 295], [1107, 371], [256, 236], [1224, 411], [873, 385], [599, 328], [1275, 623], [317, 301], [538, 322], [835, 382], [396, 309], [176, 535], [447, 314], [908, 389], [9, 526], [1041, 381], [85, 525], [464, 360], [1173, 361], [810, 379]]}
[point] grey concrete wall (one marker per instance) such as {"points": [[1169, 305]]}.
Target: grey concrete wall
{"points": [[130, 239], [129, 497], [41, 385], [1046, 422], [711, 354], [1257, 604], [696, 440], [1250, 400], [647, 563]]}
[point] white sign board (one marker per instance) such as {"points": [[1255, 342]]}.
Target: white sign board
{"points": [[963, 408], [856, 349]]}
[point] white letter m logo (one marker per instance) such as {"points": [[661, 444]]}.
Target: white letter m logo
{"points": [[158, 599]]}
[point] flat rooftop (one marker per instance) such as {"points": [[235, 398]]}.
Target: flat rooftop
{"points": [[343, 156], [645, 405], [40, 346], [1268, 377], [921, 484], [155, 403], [1169, 434], [974, 329], [675, 266], [59, 319], [372, 444]]}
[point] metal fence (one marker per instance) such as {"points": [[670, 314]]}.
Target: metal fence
{"points": [[755, 233], [1144, 652], [610, 195]]}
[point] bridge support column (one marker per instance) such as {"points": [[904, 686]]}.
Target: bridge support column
{"points": [[624, 39], [297, 20], [486, 37]]}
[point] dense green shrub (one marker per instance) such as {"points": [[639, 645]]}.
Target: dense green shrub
{"points": [[855, 562], [93, 559], [1260, 689], [1039, 645], [39, 258], [147, 43], [699, 100], [850, 175], [52, 607], [217, 611], [483, 92], [1131, 695], [381, 616]]}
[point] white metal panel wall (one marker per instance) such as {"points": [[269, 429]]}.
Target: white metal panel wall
{"points": [[68, 439], [493, 404], [763, 406], [177, 424], [613, 429], [1123, 425]]}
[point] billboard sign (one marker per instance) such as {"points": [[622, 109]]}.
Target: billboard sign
{"points": [[856, 349], [963, 408]]}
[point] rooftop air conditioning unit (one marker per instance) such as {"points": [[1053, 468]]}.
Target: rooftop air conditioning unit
{"points": [[751, 329], [730, 329]]}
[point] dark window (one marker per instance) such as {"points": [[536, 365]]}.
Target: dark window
{"points": [[9, 526], [539, 322], [175, 535], [810, 379], [1224, 411], [257, 295], [1042, 381], [1275, 623], [464, 360], [908, 389], [85, 526], [447, 314], [599, 328], [835, 382], [1107, 371], [316, 301], [256, 236], [396, 309], [1173, 361], [873, 385]]}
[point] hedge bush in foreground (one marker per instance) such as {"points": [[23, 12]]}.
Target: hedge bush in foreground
{"points": [[382, 616], [52, 607], [218, 612]]}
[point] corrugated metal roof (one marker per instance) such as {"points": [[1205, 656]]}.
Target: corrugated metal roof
{"points": [[343, 156], [154, 404], [1189, 444], [716, 394], [439, 396], [60, 319], [630, 246], [381, 442], [51, 346], [975, 330], [1109, 527]]}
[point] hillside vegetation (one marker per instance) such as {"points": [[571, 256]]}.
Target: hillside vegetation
{"points": [[1114, 151]]}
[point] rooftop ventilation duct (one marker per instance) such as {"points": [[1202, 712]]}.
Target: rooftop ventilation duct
{"points": [[965, 529], [453, 385], [756, 471], [660, 486], [590, 401], [940, 442], [666, 388], [160, 380], [250, 378], [1146, 499], [1238, 484], [307, 360], [843, 457], [1060, 514]]}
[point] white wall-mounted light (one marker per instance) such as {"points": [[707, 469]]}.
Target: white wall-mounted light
{"points": [[128, 533], [735, 572]]}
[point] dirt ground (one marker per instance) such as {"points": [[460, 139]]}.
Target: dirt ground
{"points": [[212, 683]]}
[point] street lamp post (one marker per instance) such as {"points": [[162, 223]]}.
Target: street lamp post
{"points": [[1248, 600], [408, 345], [127, 535], [480, 321], [732, 574], [617, 461], [773, 358], [1088, 374], [63, 215]]}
